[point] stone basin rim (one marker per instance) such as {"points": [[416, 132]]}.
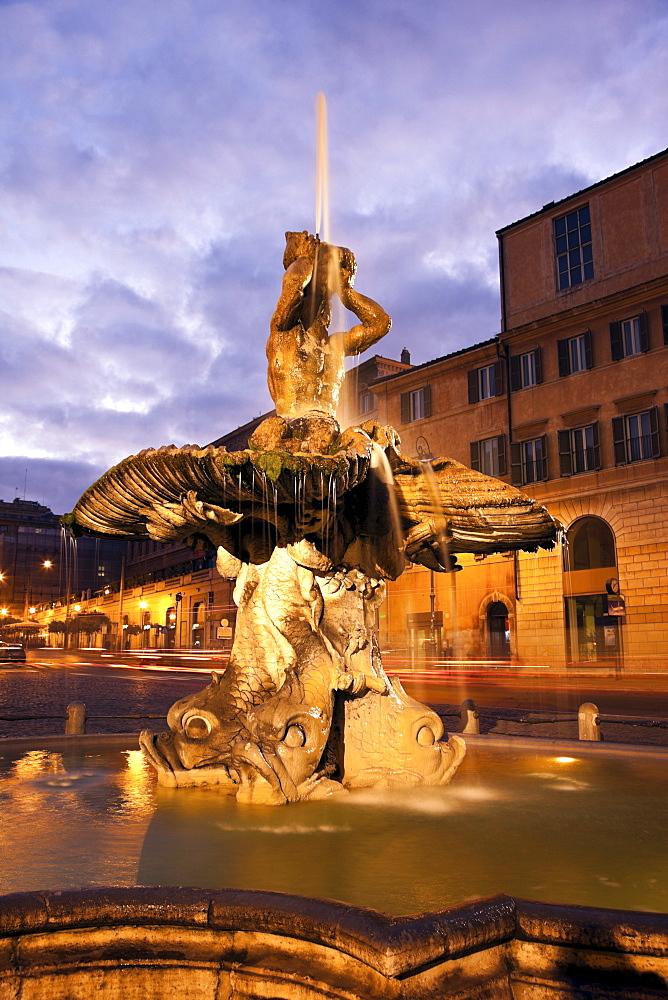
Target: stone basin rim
{"points": [[393, 946]]}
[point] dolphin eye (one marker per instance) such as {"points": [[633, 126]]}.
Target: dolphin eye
{"points": [[294, 737], [196, 727], [426, 737]]}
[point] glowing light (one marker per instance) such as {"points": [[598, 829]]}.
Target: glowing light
{"points": [[77, 607], [4, 611], [143, 604], [31, 611], [2, 576], [565, 760], [47, 564]]}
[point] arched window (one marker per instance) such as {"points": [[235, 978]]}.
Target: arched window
{"points": [[591, 545]]}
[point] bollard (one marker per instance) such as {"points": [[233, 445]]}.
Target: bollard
{"points": [[75, 719], [469, 716], [589, 727]]}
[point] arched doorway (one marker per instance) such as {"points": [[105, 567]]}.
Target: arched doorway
{"points": [[498, 631], [592, 603]]}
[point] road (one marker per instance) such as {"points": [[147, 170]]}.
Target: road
{"points": [[137, 685]]}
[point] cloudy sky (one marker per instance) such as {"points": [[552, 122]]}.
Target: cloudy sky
{"points": [[153, 152]]}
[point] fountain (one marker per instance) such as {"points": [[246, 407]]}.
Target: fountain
{"points": [[310, 520]]}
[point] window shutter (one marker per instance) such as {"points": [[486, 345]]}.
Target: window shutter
{"points": [[644, 331], [475, 455], [542, 470], [564, 360], [501, 449], [405, 407], [616, 345], [565, 458], [499, 378], [596, 448], [664, 322], [538, 361], [589, 349], [515, 379], [516, 463], [654, 431], [618, 440], [426, 392], [474, 395]]}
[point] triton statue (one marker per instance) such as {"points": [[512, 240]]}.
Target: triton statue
{"points": [[310, 521]]}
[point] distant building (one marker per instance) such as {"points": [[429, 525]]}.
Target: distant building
{"points": [[39, 562]]}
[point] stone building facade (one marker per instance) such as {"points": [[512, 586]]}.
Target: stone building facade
{"points": [[570, 403]]}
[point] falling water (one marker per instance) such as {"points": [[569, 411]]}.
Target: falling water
{"points": [[323, 224]]}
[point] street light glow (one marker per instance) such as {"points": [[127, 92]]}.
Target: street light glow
{"points": [[47, 564]]}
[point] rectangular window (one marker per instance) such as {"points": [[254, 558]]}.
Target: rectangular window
{"points": [[416, 404], [575, 354], [526, 369], [367, 401], [572, 236], [579, 450], [486, 383], [489, 456], [533, 460], [636, 437], [629, 337], [529, 461]]}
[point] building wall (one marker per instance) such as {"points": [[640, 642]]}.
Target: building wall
{"points": [[629, 219]]}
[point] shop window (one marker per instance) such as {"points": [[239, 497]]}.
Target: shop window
{"points": [[486, 383], [636, 437], [575, 354], [579, 450], [629, 337], [526, 369], [528, 461], [489, 455], [594, 634], [573, 245], [416, 405]]}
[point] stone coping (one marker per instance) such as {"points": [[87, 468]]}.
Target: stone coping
{"points": [[395, 947]]}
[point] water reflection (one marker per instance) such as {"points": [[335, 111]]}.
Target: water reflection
{"points": [[589, 830]]}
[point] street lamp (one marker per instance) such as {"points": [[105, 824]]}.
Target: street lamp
{"points": [[47, 564]]}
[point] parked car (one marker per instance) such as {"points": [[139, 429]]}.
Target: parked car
{"points": [[12, 652]]}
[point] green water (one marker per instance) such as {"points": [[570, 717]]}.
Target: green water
{"points": [[589, 830]]}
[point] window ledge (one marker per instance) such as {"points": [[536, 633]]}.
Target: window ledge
{"points": [[577, 418], [639, 401]]}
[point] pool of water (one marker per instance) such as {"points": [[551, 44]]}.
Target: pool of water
{"points": [[588, 828]]}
